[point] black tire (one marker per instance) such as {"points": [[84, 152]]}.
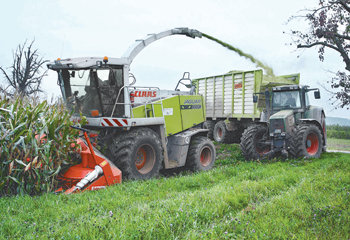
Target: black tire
{"points": [[307, 142], [324, 132], [138, 153], [254, 142], [221, 134], [210, 126], [201, 154]]}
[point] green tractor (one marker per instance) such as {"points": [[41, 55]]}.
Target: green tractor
{"points": [[288, 127]]}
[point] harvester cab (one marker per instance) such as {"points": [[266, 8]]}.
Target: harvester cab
{"points": [[289, 125], [141, 129], [97, 87]]}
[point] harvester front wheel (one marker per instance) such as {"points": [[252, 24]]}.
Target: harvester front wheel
{"points": [[201, 154], [221, 134], [254, 142], [138, 153], [307, 142]]}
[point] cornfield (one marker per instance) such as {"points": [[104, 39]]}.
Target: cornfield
{"points": [[36, 143]]}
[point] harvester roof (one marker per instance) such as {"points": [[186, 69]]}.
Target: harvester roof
{"points": [[84, 62]]}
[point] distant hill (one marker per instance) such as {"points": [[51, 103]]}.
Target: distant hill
{"points": [[337, 121]]}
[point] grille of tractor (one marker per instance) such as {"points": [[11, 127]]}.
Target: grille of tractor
{"points": [[277, 124]]}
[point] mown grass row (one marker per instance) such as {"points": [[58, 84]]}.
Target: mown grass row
{"points": [[252, 200]]}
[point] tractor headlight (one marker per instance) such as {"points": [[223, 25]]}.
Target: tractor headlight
{"points": [[291, 120]]}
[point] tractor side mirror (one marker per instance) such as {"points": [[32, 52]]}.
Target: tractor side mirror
{"points": [[255, 98], [317, 94]]}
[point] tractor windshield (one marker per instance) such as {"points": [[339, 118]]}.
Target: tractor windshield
{"points": [[286, 100], [91, 91]]}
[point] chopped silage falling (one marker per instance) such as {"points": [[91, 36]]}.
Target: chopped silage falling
{"points": [[258, 63]]}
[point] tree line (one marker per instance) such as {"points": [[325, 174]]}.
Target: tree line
{"points": [[339, 132]]}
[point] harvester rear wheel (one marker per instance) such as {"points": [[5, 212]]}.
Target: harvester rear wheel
{"points": [[210, 126], [201, 154], [254, 142], [221, 134], [138, 153], [307, 142]]}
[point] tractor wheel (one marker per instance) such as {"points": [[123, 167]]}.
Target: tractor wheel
{"points": [[307, 142], [201, 154], [138, 153], [209, 125], [221, 134], [254, 142], [324, 132]]}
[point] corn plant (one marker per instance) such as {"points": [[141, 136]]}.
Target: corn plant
{"points": [[36, 142]]}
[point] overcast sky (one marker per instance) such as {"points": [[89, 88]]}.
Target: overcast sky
{"points": [[82, 28]]}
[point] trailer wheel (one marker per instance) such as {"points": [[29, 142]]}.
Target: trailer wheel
{"points": [[138, 153], [201, 154], [210, 126], [221, 134], [307, 142], [254, 142]]}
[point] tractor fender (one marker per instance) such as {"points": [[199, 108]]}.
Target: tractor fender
{"points": [[312, 121], [178, 144], [313, 113], [318, 122]]}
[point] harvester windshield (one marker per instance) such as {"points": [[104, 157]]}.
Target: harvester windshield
{"points": [[91, 91], [286, 100]]}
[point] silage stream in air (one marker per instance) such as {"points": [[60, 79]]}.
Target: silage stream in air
{"points": [[258, 63]]}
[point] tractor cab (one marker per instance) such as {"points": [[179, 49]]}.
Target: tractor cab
{"points": [[291, 97]]}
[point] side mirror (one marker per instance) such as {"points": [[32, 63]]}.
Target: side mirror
{"points": [[255, 98], [317, 94]]}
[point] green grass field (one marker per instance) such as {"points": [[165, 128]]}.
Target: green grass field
{"points": [[292, 199], [338, 144]]}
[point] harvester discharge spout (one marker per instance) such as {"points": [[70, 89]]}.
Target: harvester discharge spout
{"points": [[140, 44], [193, 33]]}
